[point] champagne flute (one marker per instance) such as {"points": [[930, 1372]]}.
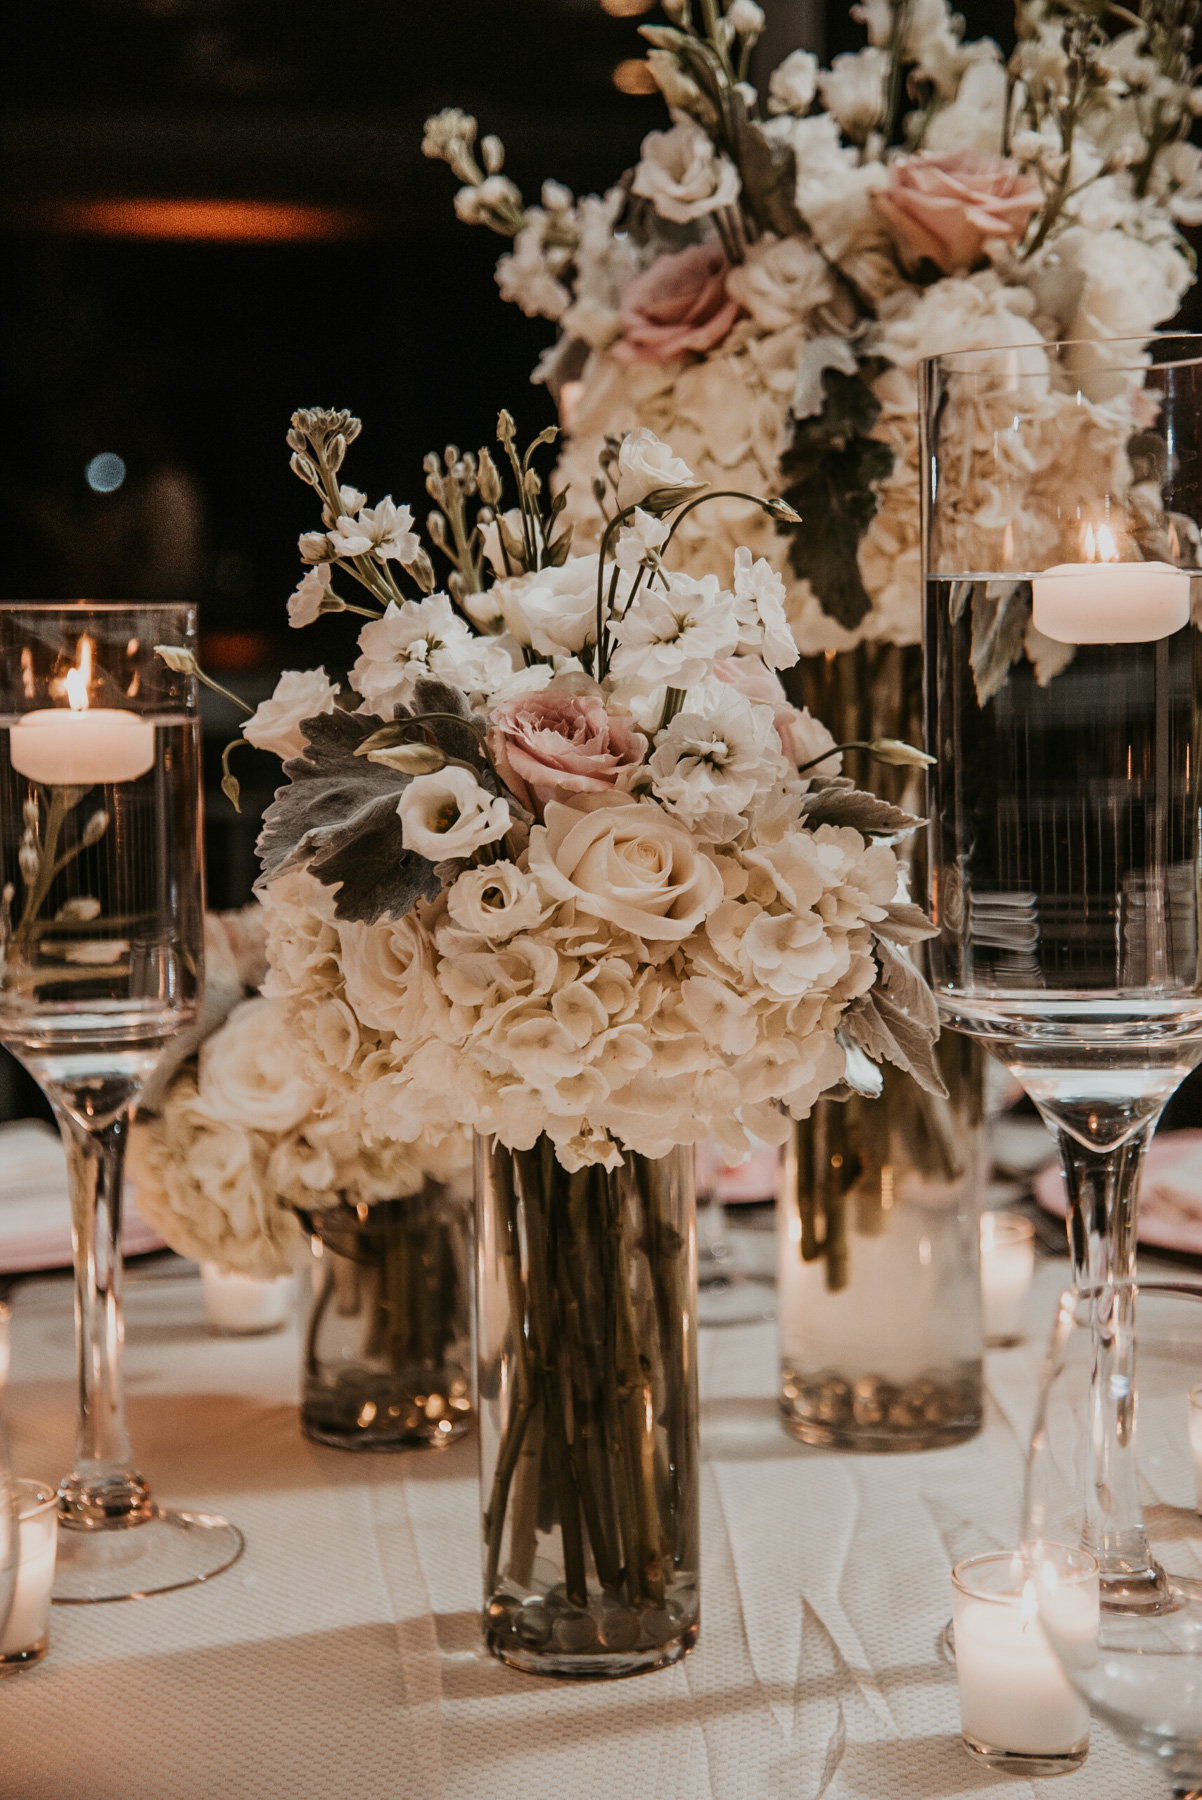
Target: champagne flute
{"points": [[101, 964], [1062, 499]]}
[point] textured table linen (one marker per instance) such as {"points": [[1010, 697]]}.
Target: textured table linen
{"points": [[340, 1658]]}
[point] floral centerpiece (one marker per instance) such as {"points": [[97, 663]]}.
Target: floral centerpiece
{"points": [[574, 874], [761, 287]]}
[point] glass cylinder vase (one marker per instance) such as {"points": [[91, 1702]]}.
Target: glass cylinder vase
{"points": [[387, 1357], [881, 1337], [586, 1290]]}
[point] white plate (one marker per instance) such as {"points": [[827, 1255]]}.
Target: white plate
{"points": [[35, 1209], [1172, 1158]]}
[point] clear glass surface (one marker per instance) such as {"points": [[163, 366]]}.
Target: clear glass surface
{"points": [[1062, 504], [101, 963], [388, 1346], [1142, 1670], [586, 1296]]}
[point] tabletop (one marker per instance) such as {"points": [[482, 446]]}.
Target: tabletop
{"points": [[340, 1658]]}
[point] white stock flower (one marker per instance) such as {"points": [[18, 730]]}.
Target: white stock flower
{"points": [[781, 282], [552, 611], [605, 265], [792, 86], [276, 723], [495, 901], [683, 175], [853, 89], [306, 600], [713, 758], [382, 531], [672, 637], [647, 466], [418, 638], [528, 277], [449, 814], [638, 540], [745, 18], [760, 607]]}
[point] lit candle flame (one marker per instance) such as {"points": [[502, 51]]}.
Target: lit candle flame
{"points": [[79, 678], [1099, 546]]}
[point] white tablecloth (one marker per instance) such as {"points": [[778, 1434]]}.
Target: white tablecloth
{"points": [[340, 1658]]}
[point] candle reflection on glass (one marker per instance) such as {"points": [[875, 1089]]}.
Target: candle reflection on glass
{"points": [[1007, 1265]]}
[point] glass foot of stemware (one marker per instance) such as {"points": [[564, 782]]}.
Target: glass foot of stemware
{"points": [[166, 1551]]}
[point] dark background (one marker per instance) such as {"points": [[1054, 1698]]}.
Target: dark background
{"points": [[312, 257]]}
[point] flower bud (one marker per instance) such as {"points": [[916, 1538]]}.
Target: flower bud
{"points": [[422, 571], [300, 465], [899, 755], [335, 453], [80, 910], [179, 660], [506, 429], [410, 759], [29, 860], [488, 478], [31, 815], [492, 154], [95, 829]]}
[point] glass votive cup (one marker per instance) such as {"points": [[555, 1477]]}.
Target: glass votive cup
{"points": [[5, 1345], [244, 1305], [1195, 1437], [26, 1636], [1018, 1710], [1007, 1265]]}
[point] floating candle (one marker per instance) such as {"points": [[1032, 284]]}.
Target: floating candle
{"points": [[243, 1305], [78, 745], [1104, 601], [27, 1632]]}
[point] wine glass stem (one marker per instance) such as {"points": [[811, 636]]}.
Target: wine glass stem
{"points": [[104, 1489], [1103, 1192]]}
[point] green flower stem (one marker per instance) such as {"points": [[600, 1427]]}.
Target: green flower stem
{"points": [[62, 800]]}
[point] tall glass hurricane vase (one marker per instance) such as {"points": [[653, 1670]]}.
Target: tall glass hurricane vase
{"points": [[101, 932], [586, 1296], [1062, 494]]}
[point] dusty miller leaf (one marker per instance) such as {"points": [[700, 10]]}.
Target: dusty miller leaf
{"points": [[1000, 611], [769, 172], [905, 923], [834, 800], [902, 985], [337, 817], [829, 471]]}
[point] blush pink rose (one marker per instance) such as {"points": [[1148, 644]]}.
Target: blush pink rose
{"points": [[550, 746], [679, 304], [948, 207]]}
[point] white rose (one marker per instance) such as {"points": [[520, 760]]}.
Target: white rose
{"points": [[781, 282], [388, 968], [552, 611], [628, 864], [647, 466], [248, 1072], [792, 86], [672, 637], [449, 814], [683, 175], [495, 902], [276, 723]]}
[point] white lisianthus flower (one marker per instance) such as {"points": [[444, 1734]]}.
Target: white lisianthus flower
{"points": [[307, 598], [449, 814], [673, 637], [683, 175], [552, 611], [792, 86], [422, 637], [639, 540], [853, 89], [745, 18], [383, 531], [714, 757], [496, 902], [647, 466], [760, 606], [276, 723]]}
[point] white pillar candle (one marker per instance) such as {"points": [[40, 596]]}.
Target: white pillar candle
{"points": [[1015, 1698], [1195, 1437], [28, 1628], [1007, 1265], [1110, 602], [242, 1305]]}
